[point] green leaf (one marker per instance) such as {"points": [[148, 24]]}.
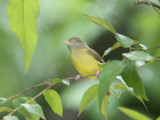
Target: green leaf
{"points": [[129, 90], [5, 109], [101, 22], [104, 107], [134, 114], [34, 109], [2, 100], [23, 23], [132, 79], [18, 101], [88, 96], [54, 100], [125, 41], [158, 118], [10, 118], [115, 46], [138, 56], [29, 116], [57, 80], [108, 74]]}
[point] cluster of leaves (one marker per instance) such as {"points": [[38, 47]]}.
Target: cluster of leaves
{"points": [[30, 109], [23, 23]]}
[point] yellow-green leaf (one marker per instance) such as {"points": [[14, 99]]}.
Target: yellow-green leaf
{"points": [[134, 114], [22, 17], [104, 107], [101, 22], [88, 96], [5, 109], [158, 118], [54, 100]]}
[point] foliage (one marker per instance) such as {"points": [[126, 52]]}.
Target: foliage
{"points": [[134, 114], [23, 23]]}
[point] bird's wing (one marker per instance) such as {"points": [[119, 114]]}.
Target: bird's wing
{"points": [[95, 55]]}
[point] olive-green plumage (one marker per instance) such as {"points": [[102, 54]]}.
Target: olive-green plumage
{"points": [[83, 58]]}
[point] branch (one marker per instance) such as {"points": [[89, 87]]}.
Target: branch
{"points": [[152, 48], [146, 3], [39, 94], [42, 84]]}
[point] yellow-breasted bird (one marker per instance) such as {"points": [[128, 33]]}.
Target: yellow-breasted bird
{"points": [[84, 59]]}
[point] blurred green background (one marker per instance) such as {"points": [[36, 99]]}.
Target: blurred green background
{"points": [[58, 21]]}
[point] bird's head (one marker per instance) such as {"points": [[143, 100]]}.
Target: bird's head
{"points": [[75, 43]]}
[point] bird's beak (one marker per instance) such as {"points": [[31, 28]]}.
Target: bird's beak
{"points": [[67, 43]]}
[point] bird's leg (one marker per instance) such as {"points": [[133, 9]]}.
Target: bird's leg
{"points": [[98, 74], [79, 77]]}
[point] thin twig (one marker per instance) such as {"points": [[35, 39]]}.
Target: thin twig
{"points": [[39, 94], [146, 3], [152, 48], [41, 84], [27, 90]]}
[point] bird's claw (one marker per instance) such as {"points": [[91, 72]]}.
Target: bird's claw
{"points": [[79, 77], [98, 74]]}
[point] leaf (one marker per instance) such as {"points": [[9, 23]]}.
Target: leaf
{"points": [[2, 100], [34, 109], [138, 56], [158, 118], [88, 96], [22, 17], [29, 116], [122, 85], [57, 80], [104, 107], [133, 114], [54, 100], [5, 109], [131, 78], [101, 22], [108, 74], [143, 46], [115, 46], [125, 41], [18, 101], [10, 118]]}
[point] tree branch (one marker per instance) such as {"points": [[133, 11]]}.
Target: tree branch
{"points": [[146, 3], [39, 94]]}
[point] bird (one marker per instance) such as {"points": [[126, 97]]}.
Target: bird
{"points": [[84, 59]]}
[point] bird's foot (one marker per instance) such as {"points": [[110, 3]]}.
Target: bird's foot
{"points": [[79, 77], [98, 74]]}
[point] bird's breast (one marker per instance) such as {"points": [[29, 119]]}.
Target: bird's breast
{"points": [[84, 62]]}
